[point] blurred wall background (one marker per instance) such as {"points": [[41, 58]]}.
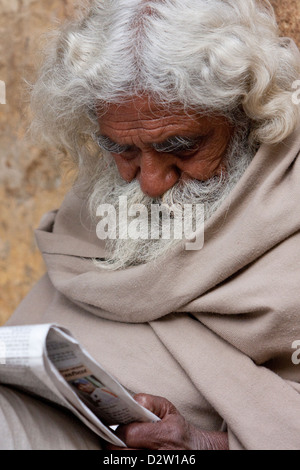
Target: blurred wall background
{"points": [[31, 181]]}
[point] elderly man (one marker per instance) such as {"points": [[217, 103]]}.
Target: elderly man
{"points": [[190, 102]]}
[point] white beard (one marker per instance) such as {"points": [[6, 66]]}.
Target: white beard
{"points": [[109, 186]]}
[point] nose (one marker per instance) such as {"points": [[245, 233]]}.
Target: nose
{"points": [[157, 174]]}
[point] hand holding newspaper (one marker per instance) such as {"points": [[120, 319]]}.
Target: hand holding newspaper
{"points": [[46, 360]]}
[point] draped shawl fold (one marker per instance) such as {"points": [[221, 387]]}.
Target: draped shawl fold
{"points": [[211, 330]]}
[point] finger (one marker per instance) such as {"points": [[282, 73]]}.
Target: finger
{"points": [[143, 435], [112, 447], [160, 406]]}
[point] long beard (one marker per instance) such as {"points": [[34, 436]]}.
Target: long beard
{"points": [[109, 187]]}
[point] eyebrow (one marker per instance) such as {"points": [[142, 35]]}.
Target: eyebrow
{"points": [[105, 143], [172, 144], [177, 144]]}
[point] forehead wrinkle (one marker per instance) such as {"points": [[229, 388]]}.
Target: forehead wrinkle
{"points": [[146, 119], [159, 134], [142, 109], [120, 123], [152, 125]]}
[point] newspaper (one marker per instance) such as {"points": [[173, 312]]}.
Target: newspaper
{"points": [[46, 360]]}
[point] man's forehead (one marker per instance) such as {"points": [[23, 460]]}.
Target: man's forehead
{"points": [[142, 117], [141, 107]]}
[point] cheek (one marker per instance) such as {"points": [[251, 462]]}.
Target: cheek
{"points": [[201, 170], [207, 163]]}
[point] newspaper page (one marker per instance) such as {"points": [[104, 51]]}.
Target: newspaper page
{"points": [[22, 362], [46, 360]]}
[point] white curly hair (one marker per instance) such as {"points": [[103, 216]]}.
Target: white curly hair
{"points": [[213, 56]]}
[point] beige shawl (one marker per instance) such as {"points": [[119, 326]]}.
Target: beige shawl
{"points": [[211, 330]]}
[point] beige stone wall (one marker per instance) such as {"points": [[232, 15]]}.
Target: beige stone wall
{"points": [[30, 179]]}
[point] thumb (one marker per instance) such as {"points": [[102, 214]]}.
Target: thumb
{"points": [[160, 406]]}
